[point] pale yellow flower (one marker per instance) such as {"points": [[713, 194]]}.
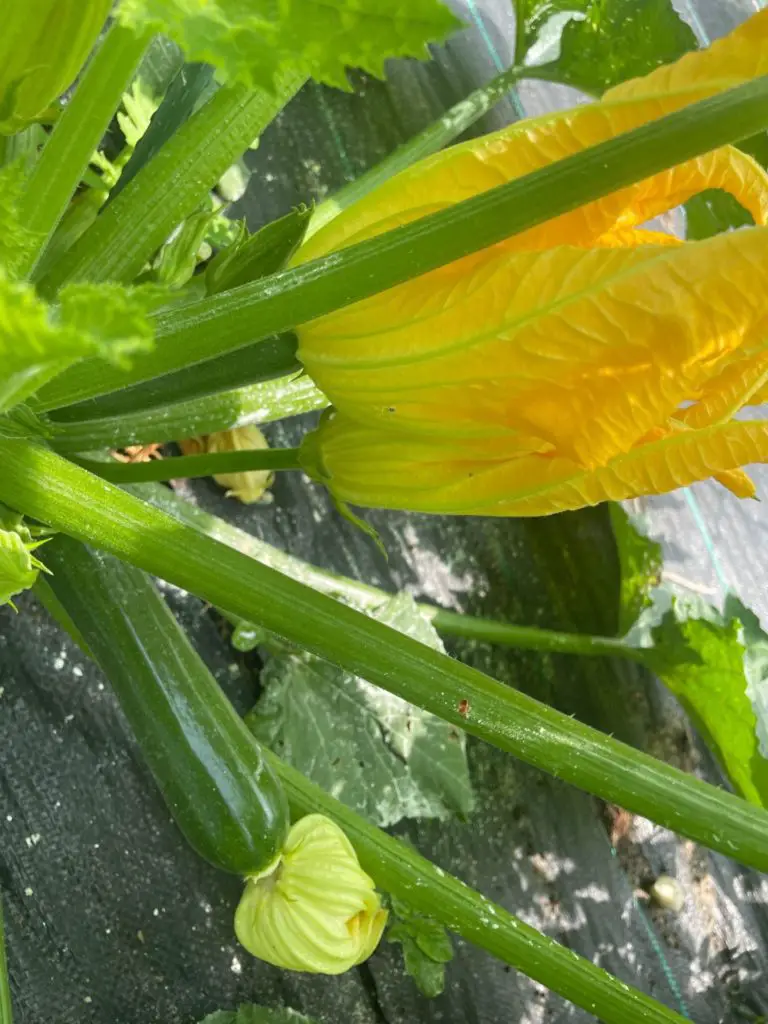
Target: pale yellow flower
{"points": [[315, 909]]}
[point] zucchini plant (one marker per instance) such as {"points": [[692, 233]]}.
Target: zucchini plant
{"points": [[490, 329]]}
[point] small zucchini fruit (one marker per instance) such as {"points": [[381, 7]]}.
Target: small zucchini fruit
{"points": [[210, 769]]}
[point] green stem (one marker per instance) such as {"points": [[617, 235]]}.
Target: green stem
{"points": [[258, 403], [77, 134], [5, 985], [170, 186], [520, 47], [155, 643], [365, 596], [400, 870], [188, 466], [436, 135], [269, 359], [223, 323], [41, 484], [529, 637]]}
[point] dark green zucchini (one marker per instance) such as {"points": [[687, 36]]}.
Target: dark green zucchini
{"points": [[211, 771]]}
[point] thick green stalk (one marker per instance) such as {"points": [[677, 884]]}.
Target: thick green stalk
{"points": [[363, 595], [269, 359], [257, 403], [189, 466], [5, 985], [171, 185], [436, 135], [78, 133], [150, 645], [43, 485], [223, 323]]}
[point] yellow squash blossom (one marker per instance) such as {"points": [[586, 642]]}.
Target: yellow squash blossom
{"points": [[584, 359], [315, 910]]}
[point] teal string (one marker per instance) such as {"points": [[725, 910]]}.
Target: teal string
{"points": [[498, 63], [706, 536], [674, 987]]}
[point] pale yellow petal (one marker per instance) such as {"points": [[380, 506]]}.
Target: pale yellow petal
{"points": [[585, 349], [622, 238], [360, 468], [740, 384], [737, 482]]}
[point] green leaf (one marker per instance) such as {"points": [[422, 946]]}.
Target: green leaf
{"points": [[38, 341], [755, 665], [540, 22], [426, 947], [711, 212], [252, 41], [702, 661], [257, 1015], [640, 561], [615, 40], [253, 256], [715, 664], [381, 756]]}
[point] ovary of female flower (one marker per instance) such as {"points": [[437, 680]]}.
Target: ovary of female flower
{"points": [[584, 350], [315, 910], [366, 467]]}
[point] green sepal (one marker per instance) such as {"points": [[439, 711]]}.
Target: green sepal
{"points": [[253, 256]]}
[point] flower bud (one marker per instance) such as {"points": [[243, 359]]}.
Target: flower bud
{"points": [[315, 910], [247, 487], [18, 566], [667, 893], [43, 46]]}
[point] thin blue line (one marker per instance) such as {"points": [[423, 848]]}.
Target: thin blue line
{"points": [[494, 54], [677, 992], [706, 536]]}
